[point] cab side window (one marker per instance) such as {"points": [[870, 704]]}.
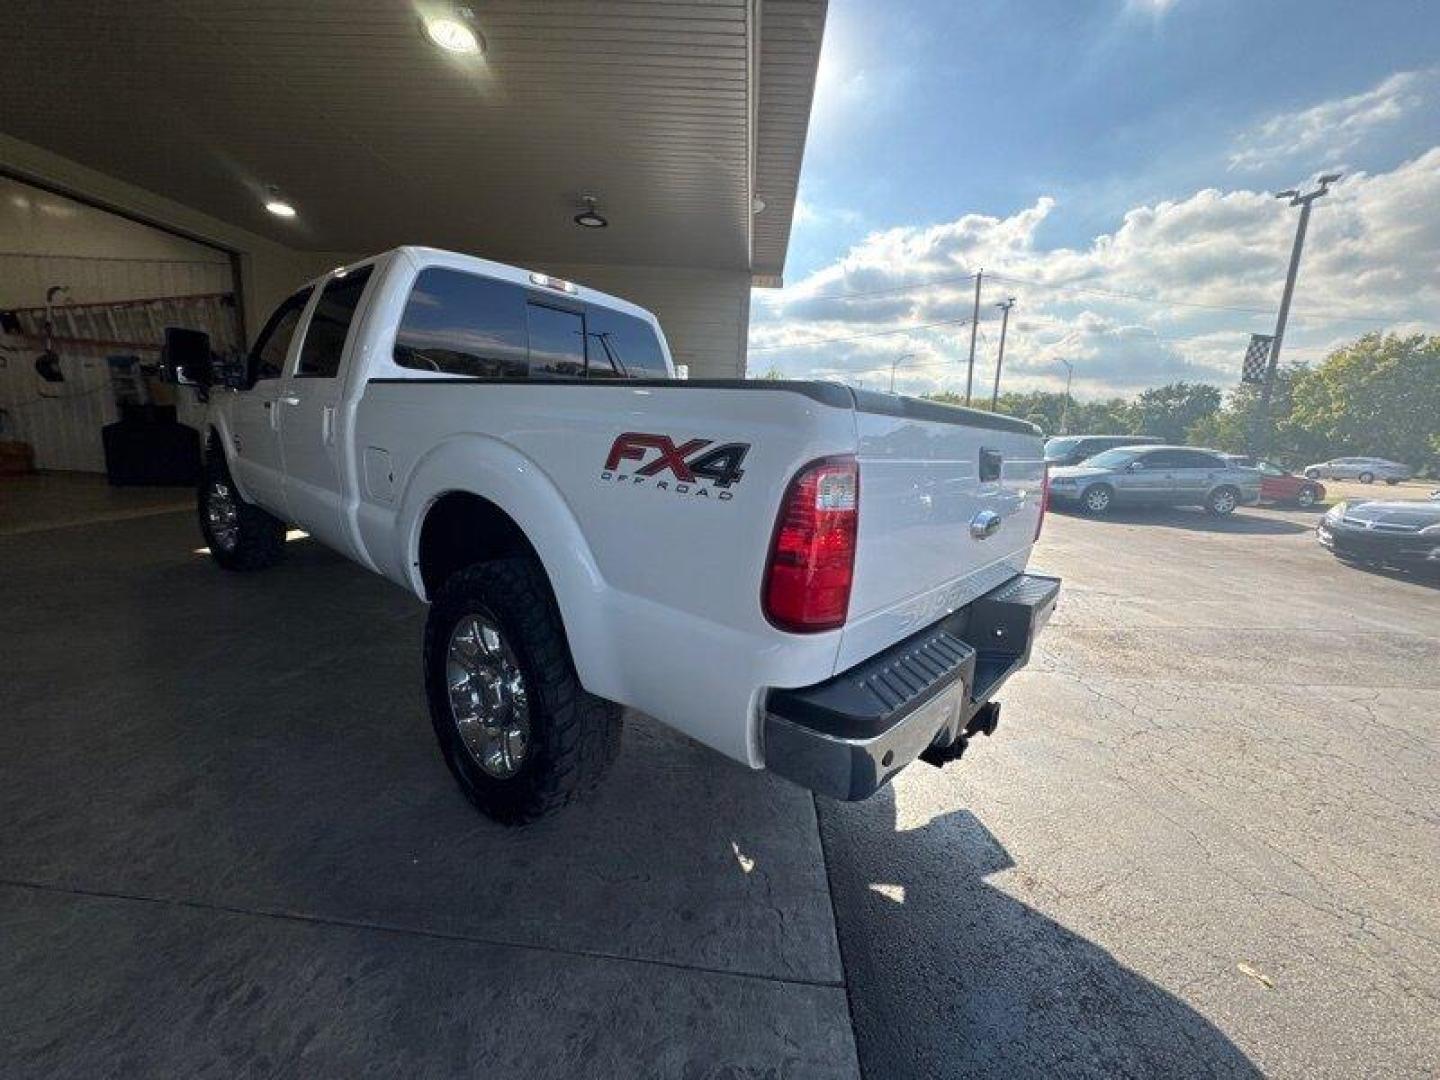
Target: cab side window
{"points": [[330, 325], [267, 355], [463, 324]]}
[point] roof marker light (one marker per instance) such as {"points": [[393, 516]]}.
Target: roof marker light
{"points": [[545, 281]]}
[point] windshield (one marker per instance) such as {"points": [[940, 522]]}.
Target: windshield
{"points": [[1111, 459], [1056, 449]]}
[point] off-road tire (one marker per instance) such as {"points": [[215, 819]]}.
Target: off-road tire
{"points": [[260, 542], [1222, 501], [1097, 499], [574, 736]]}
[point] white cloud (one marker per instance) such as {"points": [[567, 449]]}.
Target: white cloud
{"points": [[1373, 259], [1154, 8], [1324, 132]]}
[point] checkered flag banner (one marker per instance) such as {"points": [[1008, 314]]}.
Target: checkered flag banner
{"points": [[1257, 357]]}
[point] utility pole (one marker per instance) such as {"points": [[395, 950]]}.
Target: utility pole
{"points": [[1065, 408], [974, 326], [902, 356], [1260, 429], [1005, 307]]}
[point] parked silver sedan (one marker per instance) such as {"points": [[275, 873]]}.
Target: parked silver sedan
{"points": [[1365, 469], [1155, 476]]}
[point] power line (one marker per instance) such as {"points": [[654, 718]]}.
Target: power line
{"points": [[1117, 294], [857, 337], [1160, 302], [882, 292]]}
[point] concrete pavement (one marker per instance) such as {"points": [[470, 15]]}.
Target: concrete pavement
{"points": [[229, 847], [1204, 841]]}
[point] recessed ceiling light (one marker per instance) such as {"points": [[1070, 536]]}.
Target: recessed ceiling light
{"points": [[280, 208], [590, 218], [454, 34]]}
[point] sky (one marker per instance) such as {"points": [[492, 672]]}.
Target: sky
{"points": [[1111, 165]]}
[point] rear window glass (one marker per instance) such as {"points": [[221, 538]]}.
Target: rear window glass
{"points": [[628, 343], [330, 325], [1056, 449], [557, 342], [463, 324]]}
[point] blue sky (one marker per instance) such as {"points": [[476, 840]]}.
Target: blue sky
{"points": [[1110, 146]]}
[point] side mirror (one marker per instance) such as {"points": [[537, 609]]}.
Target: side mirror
{"points": [[1135, 466], [187, 358]]}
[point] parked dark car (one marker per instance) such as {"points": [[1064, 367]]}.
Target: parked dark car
{"points": [[1405, 533], [1154, 476], [1279, 485], [1073, 449]]}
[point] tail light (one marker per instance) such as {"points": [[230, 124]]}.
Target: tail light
{"points": [[1044, 500], [812, 561]]}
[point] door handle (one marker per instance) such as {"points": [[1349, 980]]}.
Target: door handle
{"points": [[327, 425], [289, 399]]}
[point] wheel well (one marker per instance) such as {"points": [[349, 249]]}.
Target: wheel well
{"points": [[461, 529]]}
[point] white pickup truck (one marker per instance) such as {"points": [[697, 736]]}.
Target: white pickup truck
{"points": [[810, 579]]}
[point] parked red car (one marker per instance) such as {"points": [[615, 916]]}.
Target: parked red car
{"points": [[1277, 485]]}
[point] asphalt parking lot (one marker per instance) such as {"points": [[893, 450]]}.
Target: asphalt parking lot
{"points": [[1203, 842]]}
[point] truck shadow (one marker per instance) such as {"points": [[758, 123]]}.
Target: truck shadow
{"points": [[951, 976], [1242, 522]]}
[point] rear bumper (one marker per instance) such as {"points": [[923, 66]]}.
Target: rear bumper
{"points": [[846, 737]]}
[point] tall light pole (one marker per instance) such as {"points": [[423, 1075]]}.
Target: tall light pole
{"points": [[1065, 408], [1005, 307], [1260, 429], [974, 326], [902, 356]]}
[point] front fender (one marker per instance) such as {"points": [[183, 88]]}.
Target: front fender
{"points": [[217, 423], [497, 472]]}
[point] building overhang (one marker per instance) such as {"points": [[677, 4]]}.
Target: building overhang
{"points": [[680, 120]]}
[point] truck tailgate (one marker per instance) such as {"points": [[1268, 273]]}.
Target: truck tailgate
{"points": [[930, 477]]}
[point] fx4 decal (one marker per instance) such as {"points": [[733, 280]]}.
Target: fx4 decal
{"points": [[688, 462]]}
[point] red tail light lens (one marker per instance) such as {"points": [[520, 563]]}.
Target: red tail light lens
{"points": [[1044, 500], [812, 561]]}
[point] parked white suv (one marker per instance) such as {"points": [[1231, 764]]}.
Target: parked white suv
{"points": [[810, 579], [1365, 469]]}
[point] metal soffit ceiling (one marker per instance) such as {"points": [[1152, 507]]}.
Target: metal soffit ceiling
{"points": [[673, 114]]}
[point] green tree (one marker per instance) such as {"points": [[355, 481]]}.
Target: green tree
{"points": [[1378, 396], [1170, 411]]}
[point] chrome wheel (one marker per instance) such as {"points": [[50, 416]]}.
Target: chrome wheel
{"points": [[1097, 500], [222, 515], [1306, 497], [1222, 502], [488, 700]]}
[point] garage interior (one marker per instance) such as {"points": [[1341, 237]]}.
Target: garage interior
{"points": [[142, 144]]}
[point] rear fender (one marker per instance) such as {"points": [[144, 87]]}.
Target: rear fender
{"points": [[497, 472]]}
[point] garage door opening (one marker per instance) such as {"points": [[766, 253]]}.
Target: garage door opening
{"points": [[85, 297]]}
